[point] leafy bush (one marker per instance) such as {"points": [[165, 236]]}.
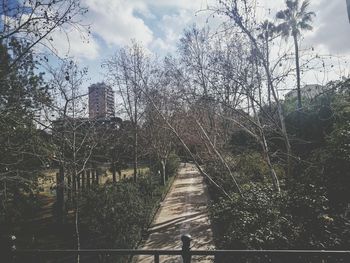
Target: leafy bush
{"points": [[295, 219], [220, 175], [252, 167], [312, 210], [241, 141], [255, 222], [115, 215], [172, 164], [171, 168]]}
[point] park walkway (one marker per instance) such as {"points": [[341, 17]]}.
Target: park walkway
{"points": [[183, 211]]}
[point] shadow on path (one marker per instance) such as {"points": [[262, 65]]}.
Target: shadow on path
{"points": [[183, 211]]}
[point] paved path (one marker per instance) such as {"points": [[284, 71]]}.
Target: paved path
{"points": [[183, 211]]}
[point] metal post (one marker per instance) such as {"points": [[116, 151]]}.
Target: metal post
{"points": [[69, 189], [11, 249], [94, 176], [97, 176], [186, 247], [156, 258], [74, 187], [60, 189], [74, 184], [88, 178], [83, 180], [79, 181]]}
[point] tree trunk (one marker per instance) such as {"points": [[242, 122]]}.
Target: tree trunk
{"points": [[163, 171], [114, 172], [268, 66], [135, 152], [97, 176], [69, 186], [74, 185], [273, 174], [166, 174], [83, 177], [273, 92], [220, 157], [187, 148], [297, 70], [265, 149], [79, 181], [282, 120], [60, 195]]}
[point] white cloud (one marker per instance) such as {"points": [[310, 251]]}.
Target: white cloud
{"points": [[179, 4], [159, 24], [171, 26], [332, 28], [115, 21], [75, 43]]}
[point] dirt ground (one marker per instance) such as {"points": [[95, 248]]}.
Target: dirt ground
{"points": [[183, 211]]}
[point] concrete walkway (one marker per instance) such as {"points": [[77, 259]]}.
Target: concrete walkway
{"points": [[183, 211]]}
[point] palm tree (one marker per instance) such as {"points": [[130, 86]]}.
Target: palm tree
{"points": [[295, 18], [268, 30]]}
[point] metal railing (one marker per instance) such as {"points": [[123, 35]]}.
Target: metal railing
{"points": [[185, 255]]}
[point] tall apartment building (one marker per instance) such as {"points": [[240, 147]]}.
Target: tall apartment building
{"points": [[101, 101]]}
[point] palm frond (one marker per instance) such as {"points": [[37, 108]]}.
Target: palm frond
{"points": [[308, 17], [281, 15], [305, 26], [267, 29], [284, 29], [294, 18], [292, 5], [304, 6]]}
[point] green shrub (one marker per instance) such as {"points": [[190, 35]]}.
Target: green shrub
{"points": [[255, 222], [297, 218], [311, 212], [252, 167], [172, 164], [171, 168], [114, 215]]}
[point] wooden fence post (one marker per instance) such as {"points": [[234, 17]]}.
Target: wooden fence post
{"points": [[83, 173]]}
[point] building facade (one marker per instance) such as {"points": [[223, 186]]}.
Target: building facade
{"points": [[101, 101], [307, 92]]}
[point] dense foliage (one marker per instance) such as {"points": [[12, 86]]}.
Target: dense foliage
{"points": [[116, 215], [171, 168], [22, 146], [311, 212]]}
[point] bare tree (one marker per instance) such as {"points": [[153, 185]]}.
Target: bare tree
{"points": [[236, 11], [268, 31], [195, 51], [34, 21], [73, 135], [158, 134], [128, 70]]}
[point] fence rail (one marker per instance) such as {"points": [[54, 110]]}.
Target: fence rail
{"points": [[15, 255]]}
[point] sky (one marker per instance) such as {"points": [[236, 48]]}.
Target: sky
{"points": [[158, 25]]}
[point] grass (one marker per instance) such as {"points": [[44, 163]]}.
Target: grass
{"points": [[127, 173], [47, 183], [40, 230]]}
